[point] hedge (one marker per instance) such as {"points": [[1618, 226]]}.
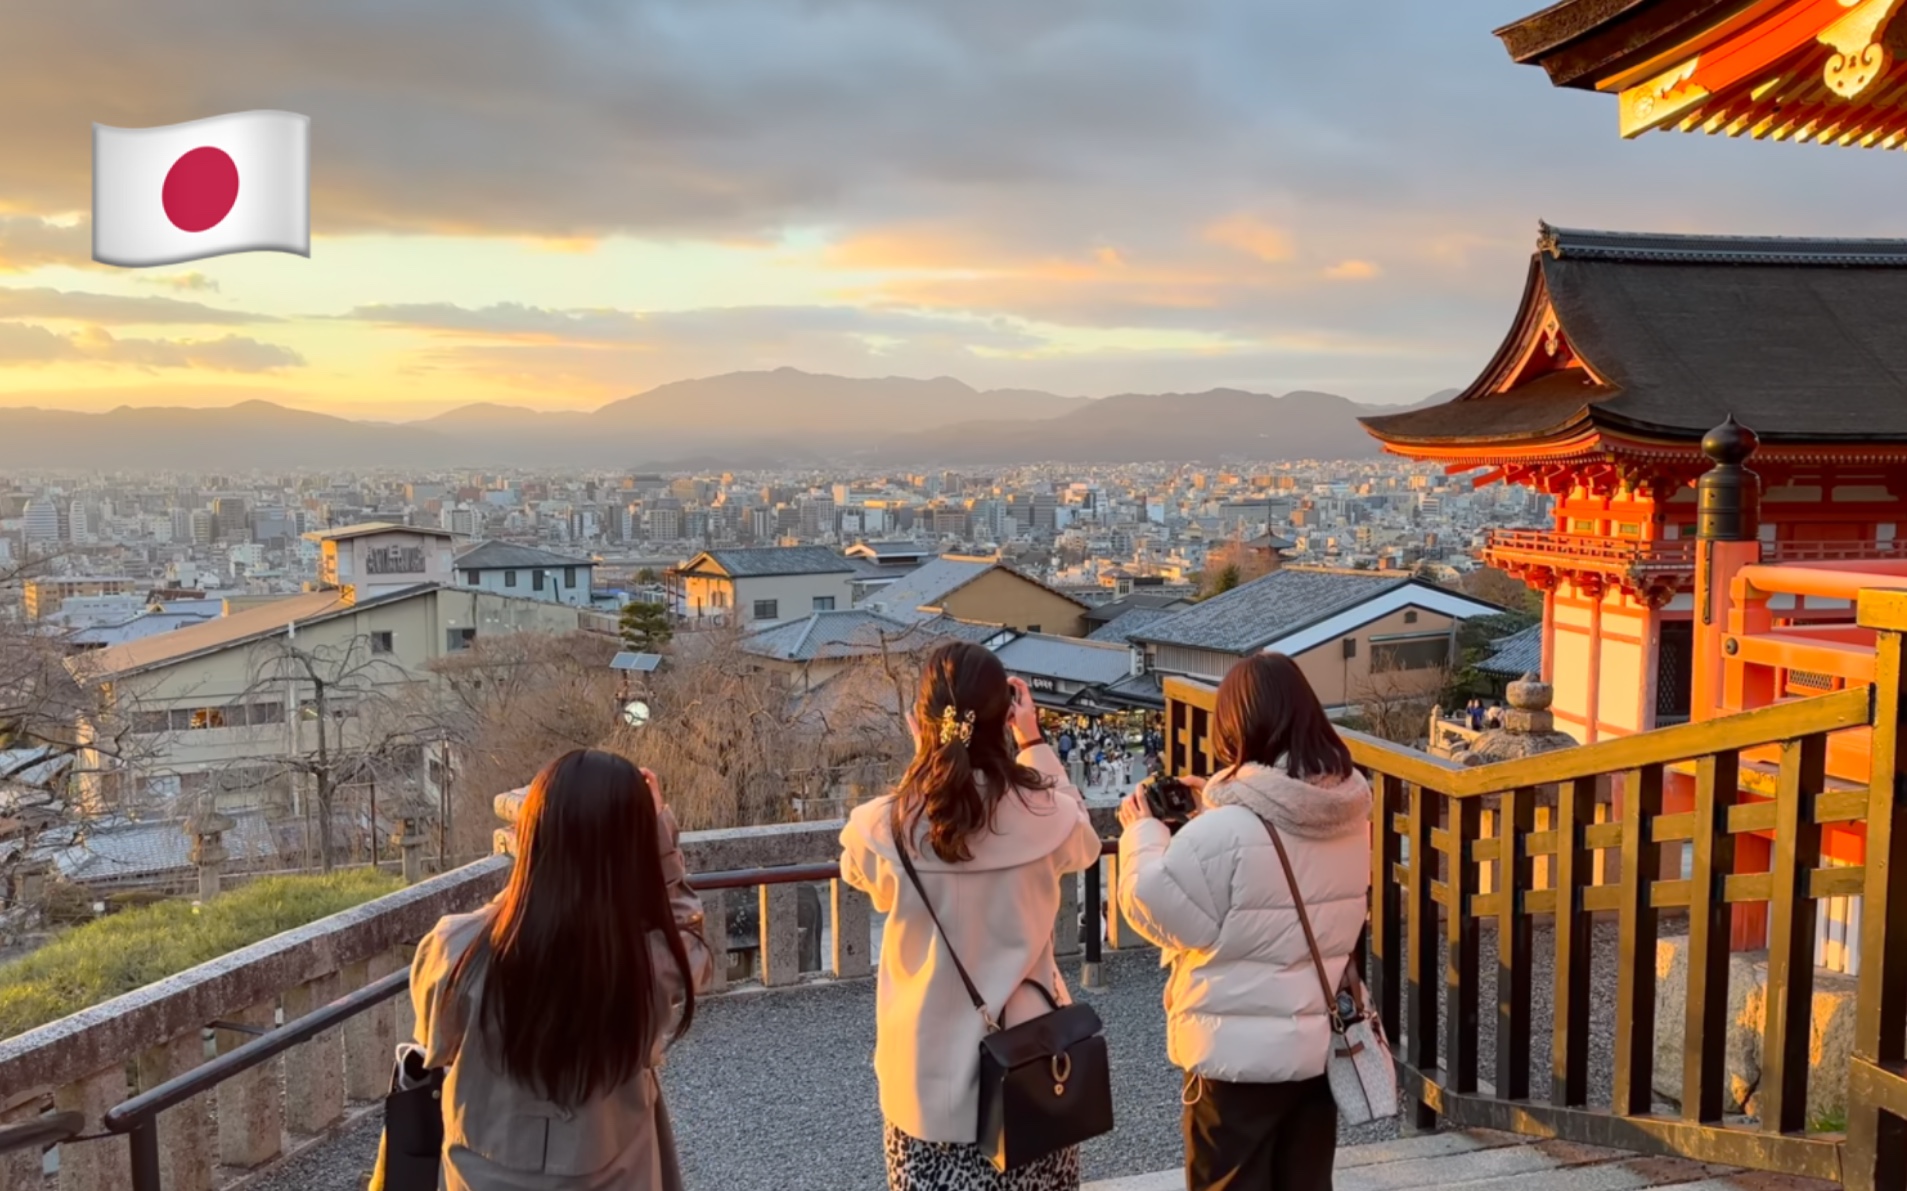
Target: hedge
{"points": [[121, 952]]}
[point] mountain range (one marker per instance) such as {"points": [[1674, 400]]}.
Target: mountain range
{"points": [[735, 420]]}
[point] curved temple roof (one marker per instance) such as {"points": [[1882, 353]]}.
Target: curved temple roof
{"points": [[1660, 337]]}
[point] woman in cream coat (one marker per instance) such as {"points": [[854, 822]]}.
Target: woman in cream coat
{"points": [[991, 834], [1245, 1016]]}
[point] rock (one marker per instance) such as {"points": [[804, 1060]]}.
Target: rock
{"points": [[1831, 1033]]}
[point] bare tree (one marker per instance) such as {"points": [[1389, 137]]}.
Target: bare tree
{"points": [[506, 706], [351, 715]]}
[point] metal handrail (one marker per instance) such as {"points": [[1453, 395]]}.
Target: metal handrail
{"points": [[41, 1132], [138, 1117]]}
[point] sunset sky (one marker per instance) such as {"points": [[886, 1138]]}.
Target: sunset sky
{"points": [[556, 204]]}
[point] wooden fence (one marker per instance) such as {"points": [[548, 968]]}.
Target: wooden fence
{"points": [[1429, 909]]}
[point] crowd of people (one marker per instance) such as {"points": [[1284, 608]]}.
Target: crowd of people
{"points": [[1098, 752], [549, 1091]]}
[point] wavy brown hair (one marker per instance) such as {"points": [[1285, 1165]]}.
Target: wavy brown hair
{"points": [[1268, 712], [569, 990], [956, 786]]}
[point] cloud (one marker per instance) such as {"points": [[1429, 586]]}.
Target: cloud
{"points": [[74, 306], [735, 325], [1352, 270], [1253, 237], [28, 241], [26, 344], [182, 281]]}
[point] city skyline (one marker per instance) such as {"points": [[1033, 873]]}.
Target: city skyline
{"points": [[565, 208]]}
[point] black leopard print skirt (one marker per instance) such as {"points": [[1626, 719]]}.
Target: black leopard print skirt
{"points": [[916, 1165]]}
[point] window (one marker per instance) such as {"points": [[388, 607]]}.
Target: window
{"points": [[1032, 628], [569, 576], [1350, 647], [1629, 529], [458, 639], [509, 578], [151, 721], [473, 577], [1410, 617], [767, 609], [536, 580], [208, 717], [267, 713], [824, 603], [1583, 525], [381, 642], [1422, 653]]}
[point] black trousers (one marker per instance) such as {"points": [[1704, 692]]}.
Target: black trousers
{"points": [[1261, 1136]]}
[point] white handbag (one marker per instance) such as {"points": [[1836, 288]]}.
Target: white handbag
{"points": [[1360, 1070]]}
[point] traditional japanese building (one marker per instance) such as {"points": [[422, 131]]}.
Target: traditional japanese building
{"points": [[1827, 71], [1625, 351]]}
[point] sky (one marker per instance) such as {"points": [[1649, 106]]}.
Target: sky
{"points": [[557, 204]]}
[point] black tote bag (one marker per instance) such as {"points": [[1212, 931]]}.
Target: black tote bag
{"points": [[1045, 1084], [411, 1155]]}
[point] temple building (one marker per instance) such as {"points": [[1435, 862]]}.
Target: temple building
{"points": [[1827, 71], [1627, 348]]}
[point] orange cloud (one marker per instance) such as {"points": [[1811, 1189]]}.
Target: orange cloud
{"points": [[1254, 237], [1352, 270]]}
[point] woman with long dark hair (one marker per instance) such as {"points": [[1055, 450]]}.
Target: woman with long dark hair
{"points": [[991, 824], [1245, 1016], [553, 1005]]}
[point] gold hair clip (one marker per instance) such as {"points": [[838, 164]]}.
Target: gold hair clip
{"points": [[954, 726]]}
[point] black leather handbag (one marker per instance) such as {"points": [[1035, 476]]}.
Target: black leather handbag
{"points": [[1045, 1084], [410, 1156]]}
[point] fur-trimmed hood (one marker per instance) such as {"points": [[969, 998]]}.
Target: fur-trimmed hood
{"points": [[1307, 810]]}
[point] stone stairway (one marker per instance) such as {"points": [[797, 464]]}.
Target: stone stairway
{"points": [[1483, 1161]]}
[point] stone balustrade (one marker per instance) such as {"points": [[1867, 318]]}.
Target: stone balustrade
{"points": [[101, 1056]]}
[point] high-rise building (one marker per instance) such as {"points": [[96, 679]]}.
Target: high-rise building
{"points": [[41, 522], [232, 520]]}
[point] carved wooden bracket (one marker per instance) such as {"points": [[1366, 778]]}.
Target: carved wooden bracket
{"points": [[1859, 53]]}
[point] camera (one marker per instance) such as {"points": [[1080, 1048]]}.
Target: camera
{"points": [[1171, 801]]}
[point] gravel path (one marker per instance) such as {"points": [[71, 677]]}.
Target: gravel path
{"points": [[776, 1089]]}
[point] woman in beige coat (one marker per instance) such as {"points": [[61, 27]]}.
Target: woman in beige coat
{"points": [[553, 1005], [992, 824]]}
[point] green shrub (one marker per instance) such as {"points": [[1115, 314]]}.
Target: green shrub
{"points": [[121, 952]]}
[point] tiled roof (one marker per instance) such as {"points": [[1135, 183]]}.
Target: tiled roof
{"points": [[928, 584], [128, 850], [1121, 627], [248, 624], [1248, 617], [505, 555], [1067, 658], [848, 633], [1518, 654], [779, 560], [1113, 610]]}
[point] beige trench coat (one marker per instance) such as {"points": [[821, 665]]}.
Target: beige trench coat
{"points": [[501, 1136]]}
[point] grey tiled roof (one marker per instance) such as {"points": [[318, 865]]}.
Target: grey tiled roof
{"points": [[1248, 617], [1518, 654], [1121, 627], [780, 560], [1068, 658], [849, 633], [931, 582], [494, 555]]}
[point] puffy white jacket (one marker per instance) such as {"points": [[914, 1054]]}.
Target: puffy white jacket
{"points": [[1243, 1003]]}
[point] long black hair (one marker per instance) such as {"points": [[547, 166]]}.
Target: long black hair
{"points": [[1268, 712], [940, 785], [569, 993]]}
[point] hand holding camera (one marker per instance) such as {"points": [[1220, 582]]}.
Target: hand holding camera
{"points": [[1174, 801]]}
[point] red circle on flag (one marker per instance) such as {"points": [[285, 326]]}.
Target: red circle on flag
{"points": [[200, 189]]}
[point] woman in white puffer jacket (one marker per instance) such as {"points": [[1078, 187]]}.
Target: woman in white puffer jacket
{"points": [[1245, 1016]]}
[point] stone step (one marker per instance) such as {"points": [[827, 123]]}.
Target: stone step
{"points": [[1484, 1161]]}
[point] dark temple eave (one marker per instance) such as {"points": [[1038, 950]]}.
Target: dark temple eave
{"points": [[1581, 42]]}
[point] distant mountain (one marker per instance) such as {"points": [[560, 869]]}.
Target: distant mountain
{"points": [[1170, 426], [236, 437], [740, 419]]}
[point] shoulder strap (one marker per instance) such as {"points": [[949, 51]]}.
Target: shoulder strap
{"points": [[900, 847], [1304, 919]]}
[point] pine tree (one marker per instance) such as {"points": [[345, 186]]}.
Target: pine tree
{"points": [[645, 627]]}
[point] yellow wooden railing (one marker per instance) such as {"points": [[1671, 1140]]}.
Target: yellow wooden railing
{"points": [[1429, 907]]}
